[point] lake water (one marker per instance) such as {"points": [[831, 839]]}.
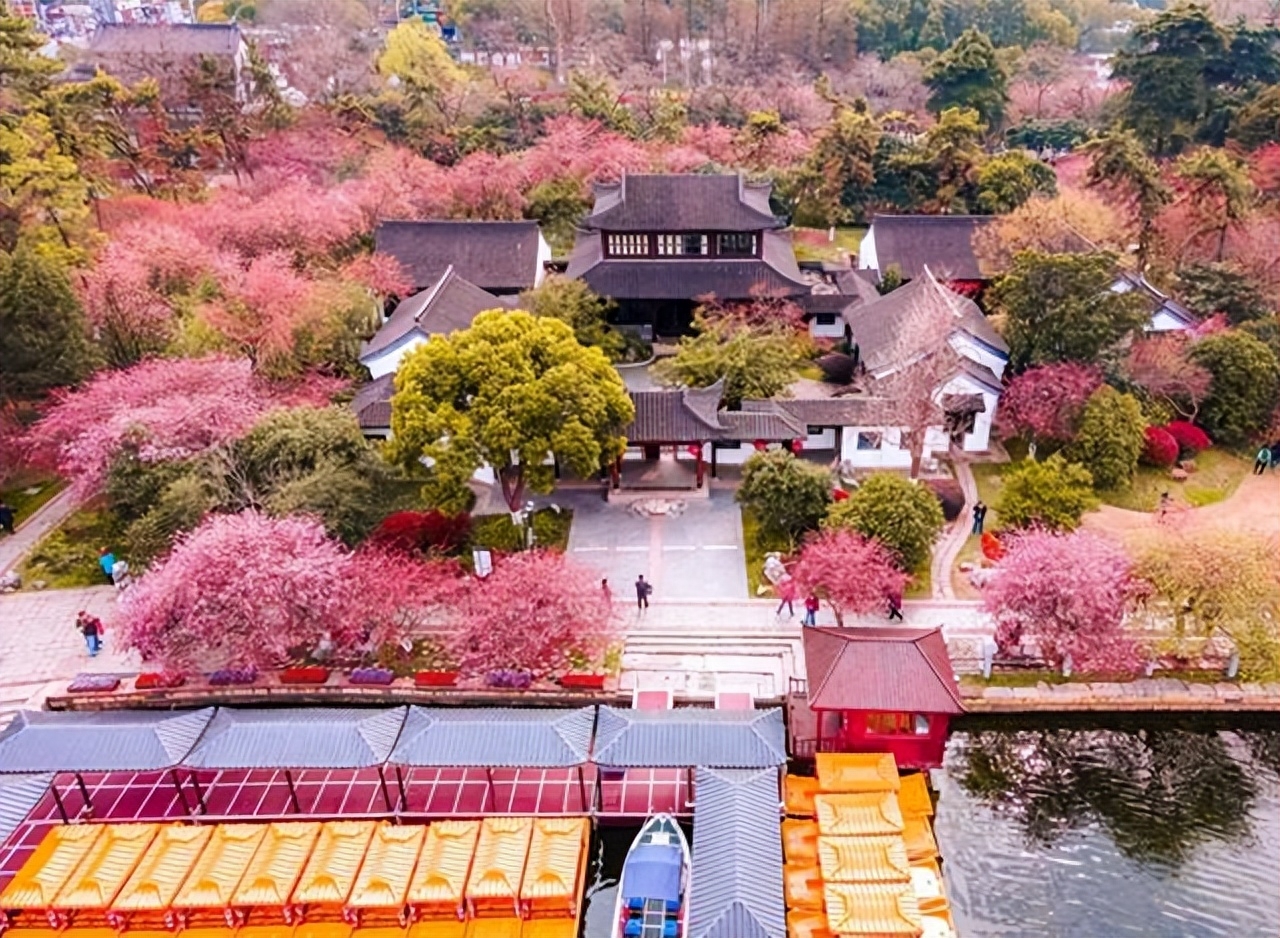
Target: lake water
{"points": [[1162, 830], [1098, 832]]}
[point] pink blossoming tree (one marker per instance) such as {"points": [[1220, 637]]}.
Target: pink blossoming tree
{"points": [[852, 573], [1069, 595], [169, 408], [529, 614], [244, 590], [1044, 403]]}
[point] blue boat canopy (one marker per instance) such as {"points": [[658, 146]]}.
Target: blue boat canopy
{"points": [[653, 871]]}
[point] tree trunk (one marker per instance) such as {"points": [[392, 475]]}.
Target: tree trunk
{"points": [[512, 480]]}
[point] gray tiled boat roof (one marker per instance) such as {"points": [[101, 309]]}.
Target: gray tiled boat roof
{"points": [[114, 740], [736, 885], [18, 795], [690, 736], [298, 738], [495, 737]]}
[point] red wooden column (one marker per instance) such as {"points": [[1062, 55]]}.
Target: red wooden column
{"points": [[700, 465]]}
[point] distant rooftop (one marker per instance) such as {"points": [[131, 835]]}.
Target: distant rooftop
{"points": [[169, 39]]}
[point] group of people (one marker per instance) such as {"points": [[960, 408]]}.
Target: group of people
{"points": [[91, 628], [116, 571], [788, 593]]}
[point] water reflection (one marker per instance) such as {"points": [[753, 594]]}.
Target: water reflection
{"points": [[1158, 793], [1156, 830]]}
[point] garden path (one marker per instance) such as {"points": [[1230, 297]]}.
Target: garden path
{"points": [[955, 536], [51, 514], [1253, 507]]}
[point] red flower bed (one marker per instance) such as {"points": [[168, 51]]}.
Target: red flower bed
{"points": [[1159, 447], [582, 681], [1191, 439], [422, 531], [154, 680], [436, 678], [304, 675]]}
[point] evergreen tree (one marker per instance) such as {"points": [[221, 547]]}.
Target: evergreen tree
{"points": [[44, 339]]}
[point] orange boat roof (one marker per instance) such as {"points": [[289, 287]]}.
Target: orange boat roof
{"points": [[877, 909], [913, 796], [500, 858], [277, 864], [555, 858], [857, 771], [875, 859], [917, 834], [47, 869], [442, 870], [335, 860], [798, 792], [855, 814], [217, 872], [160, 873], [383, 881], [106, 866], [799, 840]]}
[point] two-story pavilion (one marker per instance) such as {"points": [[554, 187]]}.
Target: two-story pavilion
{"points": [[656, 243]]}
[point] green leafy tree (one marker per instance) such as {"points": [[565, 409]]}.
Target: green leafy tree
{"points": [[1223, 288], [969, 75], [557, 205], [835, 183], [1052, 493], [1168, 63], [1258, 122], [1245, 380], [788, 495], [753, 362], [1118, 162], [1110, 438], [1218, 189], [44, 338], [419, 60], [586, 313], [1059, 307], [1008, 180], [596, 97], [512, 392], [948, 179], [902, 515], [42, 191]]}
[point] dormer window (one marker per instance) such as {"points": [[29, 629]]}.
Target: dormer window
{"points": [[736, 244], [682, 245]]}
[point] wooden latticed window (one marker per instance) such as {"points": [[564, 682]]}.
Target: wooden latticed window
{"points": [[628, 245], [682, 245]]}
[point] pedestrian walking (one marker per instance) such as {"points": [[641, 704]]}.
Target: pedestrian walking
{"points": [[606, 592], [1275, 453], [6, 517], [1262, 461], [895, 605], [1165, 503], [643, 589], [979, 517], [811, 605], [91, 628], [120, 575], [107, 561], [787, 596]]}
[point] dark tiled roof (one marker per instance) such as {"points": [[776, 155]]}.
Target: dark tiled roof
{"points": [[493, 737], [815, 303], [690, 736], [905, 670], [942, 242], [852, 410], [372, 403], [685, 202], [981, 373], [107, 741], [1157, 300], [174, 39], [859, 283], [736, 877], [774, 273], [772, 423], [687, 415], [663, 417], [448, 304], [880, 328], [297, 738], [964, 403], [493, 255]]}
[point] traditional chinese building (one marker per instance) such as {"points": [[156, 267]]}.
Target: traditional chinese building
{"points": [[876, 690], [502, 257], [656, 243]]}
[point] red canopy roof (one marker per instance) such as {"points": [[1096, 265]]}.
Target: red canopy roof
{"points": [[904, 670]]}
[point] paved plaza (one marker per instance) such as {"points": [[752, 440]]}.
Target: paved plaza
{"points": [[694, 554]]}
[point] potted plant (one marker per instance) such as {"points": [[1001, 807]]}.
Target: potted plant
{"points": [[436, 667], [227, 677], [509, 679], [584, 674], [304, 674], [155, 680], [371, 676]]}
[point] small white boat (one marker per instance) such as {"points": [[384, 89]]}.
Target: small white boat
{"points": [[653, 892]]}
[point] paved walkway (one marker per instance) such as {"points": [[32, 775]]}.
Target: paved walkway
{"points": [[955, 537], [51, 514], [1253, 507], [39, 644]]}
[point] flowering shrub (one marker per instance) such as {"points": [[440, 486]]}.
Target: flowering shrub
{"points": [[1190, 438], [423, 531], [150, 680], [1159, 447]]}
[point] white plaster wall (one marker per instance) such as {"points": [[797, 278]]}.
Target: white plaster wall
{"points": [[979, 353], [820, 441], [544, 255], [833, 331], [867, 259], [387, 361], [890, 455], [1162, 321]]}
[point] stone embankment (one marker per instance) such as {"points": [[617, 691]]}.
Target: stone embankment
{"points": [[1151, 694]]}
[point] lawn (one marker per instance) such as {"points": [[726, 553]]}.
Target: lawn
{"points": [[756, 548], [811, 244], [26, 492], [67, 557], [987, 476], [1218, 473]]}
